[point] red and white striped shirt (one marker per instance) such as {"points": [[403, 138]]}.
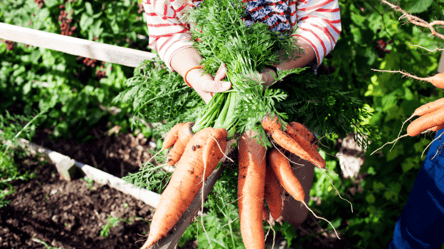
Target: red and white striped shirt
{"points": [[318, 23]]}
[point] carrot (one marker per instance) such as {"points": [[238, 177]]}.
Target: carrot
{"points": [[429, 107], [282, 169], [273, 194], [202, 154], [251, 185], [304, 150], [303, 131], [315, 157], [171, 136], [265, 213], [184, 135], [437, 128], [437, 80], [426, 122]]}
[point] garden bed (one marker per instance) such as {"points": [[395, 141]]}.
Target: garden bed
{"points": [[69, 214]]}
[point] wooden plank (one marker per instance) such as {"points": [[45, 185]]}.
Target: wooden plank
{"points": [[148, 197], [177, 231], [75, 46]]}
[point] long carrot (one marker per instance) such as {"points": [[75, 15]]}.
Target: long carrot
{"points": [[251, 185], [426, 122], [282, 169], [273, 127], [184, 135], [202, 150], [273, 194]]}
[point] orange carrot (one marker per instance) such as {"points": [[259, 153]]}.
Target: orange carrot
{"points": [[429, 107], [202, 154], [426, 122], [273, 194], [437, 80], [282, 169], [251, 185], [315, 157], [304, 150], [184, 135], [303, 131], [265, 213], [437, 128], [171, 136]]}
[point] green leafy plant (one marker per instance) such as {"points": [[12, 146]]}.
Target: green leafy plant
{"points": [[11, 129]]}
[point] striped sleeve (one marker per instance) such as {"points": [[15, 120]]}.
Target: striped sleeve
{"points": [[167, 34], [319, 24]]}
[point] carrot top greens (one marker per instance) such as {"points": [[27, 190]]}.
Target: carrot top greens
{"points": [[157, 94]]}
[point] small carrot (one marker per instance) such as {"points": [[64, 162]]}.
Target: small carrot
{"points": [[273, 194], [172, 136], [273, 127], [429, 107], [426, 122], [202, 154], [437, 80], [303, 131], [282, 169], [184, 135], [251, 185], [315, 157], [437, 128]]}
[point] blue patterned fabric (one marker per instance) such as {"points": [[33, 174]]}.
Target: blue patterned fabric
{"points": [[421, 224], [274, 13]]}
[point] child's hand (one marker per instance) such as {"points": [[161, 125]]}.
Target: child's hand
{"points": [[206, 85]]}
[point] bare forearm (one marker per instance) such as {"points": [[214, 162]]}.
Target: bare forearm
{"points": [[303, 59]]}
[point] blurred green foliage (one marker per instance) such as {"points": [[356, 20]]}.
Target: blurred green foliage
{"points": [[72, 89]]}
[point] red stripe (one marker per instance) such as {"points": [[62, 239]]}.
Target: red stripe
{"points": [[165, 11], [326, 32], [181, 8], [316, 6], [327, 10], [168, 48], [162, 25], [167, 35], [312, 45], [325, 20], [165, 42], [320, 40]]}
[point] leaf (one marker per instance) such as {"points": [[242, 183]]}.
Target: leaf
{"points": [[50, 3], [416, 6], [85, 21], [89, 8]]}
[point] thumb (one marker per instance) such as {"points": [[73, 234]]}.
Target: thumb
{"points": [[216, 86], [221, 72]]}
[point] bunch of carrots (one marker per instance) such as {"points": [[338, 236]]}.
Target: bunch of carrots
{"points": [[263, 175]]}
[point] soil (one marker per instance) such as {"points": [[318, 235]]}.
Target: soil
{"points": [[72, 214]]}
